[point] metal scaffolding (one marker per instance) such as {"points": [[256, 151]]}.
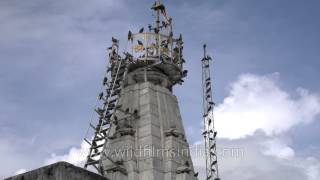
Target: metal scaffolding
{"points": [[209, 133]]}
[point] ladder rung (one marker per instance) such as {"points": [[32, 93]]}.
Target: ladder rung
{"points": [[91, 162], [111, 105], [99, 111], [92, 126], [98, 125], [97, 146], [117, 80], [106, 122], [108, 84], [110, 108], [114, 94], [107, 116], [104, 130], [119, 74], [99, 138], [87, 141], [116, 88], [95, 154], [113, 100]]}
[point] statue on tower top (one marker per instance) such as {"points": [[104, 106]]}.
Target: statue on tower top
{"points": [[155, 47]]}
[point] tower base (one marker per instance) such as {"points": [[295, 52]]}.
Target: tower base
{"points": [[151, 146]]}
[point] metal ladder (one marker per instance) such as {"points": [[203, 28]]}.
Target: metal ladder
{"points": [[109, 98]]}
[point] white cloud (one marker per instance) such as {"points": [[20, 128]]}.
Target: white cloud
{"points": [[277, 148], [76, 156], [258, 103], [20, 171], [254, 163], [313, 171]]}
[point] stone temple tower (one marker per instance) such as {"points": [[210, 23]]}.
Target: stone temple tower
{"points": [[140, 134]]}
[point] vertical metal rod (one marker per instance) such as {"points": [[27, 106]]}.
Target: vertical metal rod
{"points": [[204, 120]]}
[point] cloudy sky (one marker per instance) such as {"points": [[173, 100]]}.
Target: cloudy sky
{"points": [[266, 69]]}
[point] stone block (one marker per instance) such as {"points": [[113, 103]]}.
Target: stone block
{"points": [[149, 130], [151, 164], [185, 176]]}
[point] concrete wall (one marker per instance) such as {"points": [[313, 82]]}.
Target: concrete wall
{"points": [[58, 171]]}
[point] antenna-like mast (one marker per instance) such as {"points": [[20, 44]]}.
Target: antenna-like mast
{"points": [[209, 132]]}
